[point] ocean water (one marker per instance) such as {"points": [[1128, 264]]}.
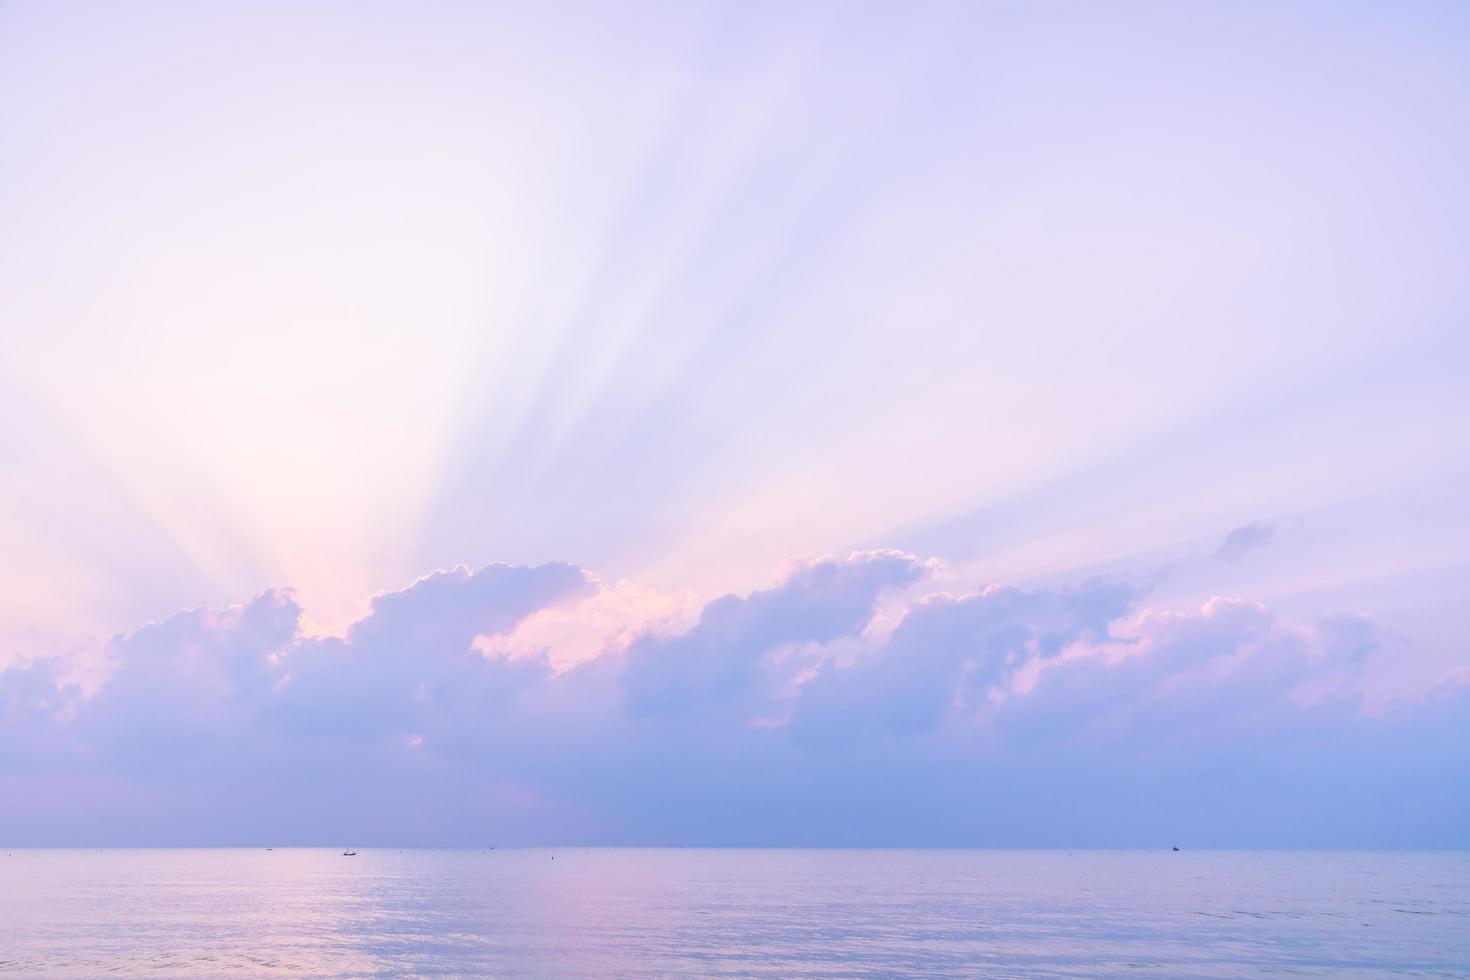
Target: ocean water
{"points": [[703, 913]]}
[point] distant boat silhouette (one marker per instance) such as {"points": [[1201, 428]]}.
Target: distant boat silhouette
{"points": [[1176, 848], [349, 853]]}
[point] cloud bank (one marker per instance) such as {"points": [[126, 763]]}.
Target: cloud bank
{"points": [[1071, 716]]}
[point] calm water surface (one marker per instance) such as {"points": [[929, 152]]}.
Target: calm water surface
{"points": [[589, 912]]}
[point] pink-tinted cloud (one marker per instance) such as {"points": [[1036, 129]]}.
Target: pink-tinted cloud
{"points": [[1008, 716]]}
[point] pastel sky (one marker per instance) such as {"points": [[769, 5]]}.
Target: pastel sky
{"points": [[809, 423]]}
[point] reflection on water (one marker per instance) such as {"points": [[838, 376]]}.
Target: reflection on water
{"points": [[734, 912]]}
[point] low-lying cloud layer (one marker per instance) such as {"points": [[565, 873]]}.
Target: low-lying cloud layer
{"points": [[789, 715]]}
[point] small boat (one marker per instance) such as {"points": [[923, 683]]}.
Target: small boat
{"points": [[349, 853]]}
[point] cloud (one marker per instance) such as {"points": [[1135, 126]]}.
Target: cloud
{"points": [[1246, 538], [947, 655], [1006, 716], [723, 655], [609, 620], [411, 666], [35, 701], [1218, 675]]}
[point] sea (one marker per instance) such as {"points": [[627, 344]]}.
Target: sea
{"points": [[686, 912]]}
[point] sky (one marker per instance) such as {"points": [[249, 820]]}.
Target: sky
{"points": [[802, 423]]}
